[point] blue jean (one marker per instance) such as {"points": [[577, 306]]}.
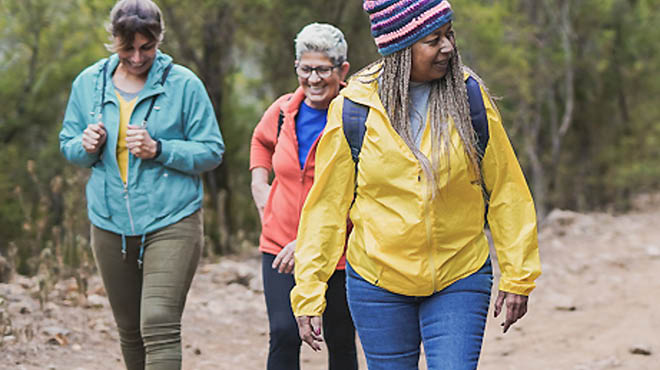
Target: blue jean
{"points": [[450, 323]]}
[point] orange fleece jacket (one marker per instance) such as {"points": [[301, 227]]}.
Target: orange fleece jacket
{"points": [[291, 184]]}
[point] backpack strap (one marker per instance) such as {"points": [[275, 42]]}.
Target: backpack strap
{"points": [[478, 114], [480, 127], [153, 100], [280, 121], [354, 116]]}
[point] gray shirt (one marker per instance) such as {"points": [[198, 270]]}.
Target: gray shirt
{"points": [[419, 99]]}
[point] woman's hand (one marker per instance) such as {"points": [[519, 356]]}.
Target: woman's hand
{"points": [[94, 137], [284, 261], [309, 329], [260, 190], [139, 143], [516, 307]]}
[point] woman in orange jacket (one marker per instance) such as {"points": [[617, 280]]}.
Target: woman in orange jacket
{"points": [[285, 142]]}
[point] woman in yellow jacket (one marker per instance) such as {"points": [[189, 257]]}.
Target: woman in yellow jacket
{"points": [[418, 266]]}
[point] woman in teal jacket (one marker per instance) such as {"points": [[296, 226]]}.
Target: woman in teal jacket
{"points": [[147, 130]]}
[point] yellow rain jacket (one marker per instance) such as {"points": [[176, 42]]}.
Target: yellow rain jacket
{"points": [[404, 240]]}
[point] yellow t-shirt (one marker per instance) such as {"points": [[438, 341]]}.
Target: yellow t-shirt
{"points": [[125, 111]]}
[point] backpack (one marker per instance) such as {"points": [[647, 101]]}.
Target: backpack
{"points": [[354, 116]]}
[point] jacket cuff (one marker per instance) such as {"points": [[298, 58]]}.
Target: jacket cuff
{"points": [[308, 299], [520, 288]]}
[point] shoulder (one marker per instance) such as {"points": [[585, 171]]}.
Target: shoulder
{"points": [[181, 77]]}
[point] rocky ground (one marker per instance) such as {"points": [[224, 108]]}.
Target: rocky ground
{"points": [[596, 307]]}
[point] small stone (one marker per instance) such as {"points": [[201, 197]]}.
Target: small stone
{"points": [[641, 349], [96, 301], [76, 347], [198, 351], [652, 251], [8, 339]]}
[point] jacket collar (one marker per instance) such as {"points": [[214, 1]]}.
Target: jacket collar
{"points": [[151, 87]]}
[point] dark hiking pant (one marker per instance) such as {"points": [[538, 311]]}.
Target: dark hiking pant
{"points": [[338, 330]]}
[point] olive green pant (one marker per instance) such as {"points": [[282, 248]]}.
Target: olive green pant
{"points": [[148, 303]]}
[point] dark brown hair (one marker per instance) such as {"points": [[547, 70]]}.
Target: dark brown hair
{"points": [[129, 17]]}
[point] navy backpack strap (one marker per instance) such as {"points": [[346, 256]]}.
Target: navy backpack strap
{"points": [[153, 100], [354, 116], [478, 114], [480, 127], [280, 121]]}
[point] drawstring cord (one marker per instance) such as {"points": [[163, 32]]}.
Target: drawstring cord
{"points": [[124, 251], [123, 247], [139, 261]]}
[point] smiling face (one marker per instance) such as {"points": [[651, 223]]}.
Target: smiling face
{"points": [[136, 58], [320, 91], [431, 55]]}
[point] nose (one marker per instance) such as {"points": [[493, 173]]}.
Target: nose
{"points": [[314, 77], [447, 46], [136, 57]]}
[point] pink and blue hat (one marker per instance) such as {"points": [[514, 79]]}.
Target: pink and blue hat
{"points": [[397, 24]]}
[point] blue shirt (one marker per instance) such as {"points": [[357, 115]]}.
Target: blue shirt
{"points": [[309, 124]]}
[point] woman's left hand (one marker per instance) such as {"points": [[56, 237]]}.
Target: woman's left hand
{"points": [[284, 261], [139, 143], [309, 329], [516, 307]]}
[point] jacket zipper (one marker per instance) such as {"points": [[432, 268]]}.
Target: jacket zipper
{"points": [[128, 176], [128, 204], [429, 243]]}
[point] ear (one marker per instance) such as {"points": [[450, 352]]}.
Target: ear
{"points": [[343, 70]]}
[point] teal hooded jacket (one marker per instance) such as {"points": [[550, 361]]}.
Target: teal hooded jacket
{"points": [[159, 191]]}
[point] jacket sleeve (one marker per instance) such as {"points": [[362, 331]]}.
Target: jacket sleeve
{"points": [[322, 229], [264, 136], [75, 122], [511, 213], [203, 146]]}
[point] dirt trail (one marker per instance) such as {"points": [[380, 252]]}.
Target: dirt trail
{"points": [[595, 308]]}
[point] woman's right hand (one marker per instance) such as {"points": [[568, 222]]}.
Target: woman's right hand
{"points": [[94, 137], [260, 189], [285, 260]]}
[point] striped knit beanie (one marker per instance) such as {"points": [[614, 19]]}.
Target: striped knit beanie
{"points": [[397, 24]]}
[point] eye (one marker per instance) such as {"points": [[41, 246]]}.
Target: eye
{"points": [[433, 41], [306, 69], [324, 69]]}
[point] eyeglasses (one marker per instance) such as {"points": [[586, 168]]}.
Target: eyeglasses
{"points": [[304, 71]]}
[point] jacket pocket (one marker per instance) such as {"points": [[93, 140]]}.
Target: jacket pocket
{"points": [[172, 191], [97, 202]]}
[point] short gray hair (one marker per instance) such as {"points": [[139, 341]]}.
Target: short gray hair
{"points": [[323, 38]]}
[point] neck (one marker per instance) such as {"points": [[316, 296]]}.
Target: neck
{"points": [[126, 75], [127, 81], [316, 105]]}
